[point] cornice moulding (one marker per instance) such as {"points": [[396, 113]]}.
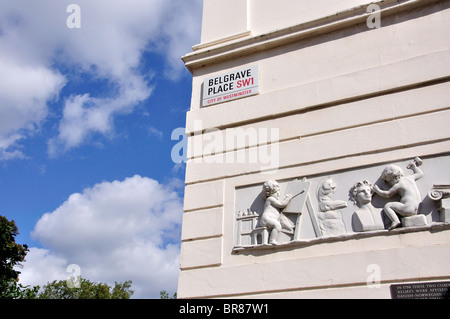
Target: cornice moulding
{"points": [[244, 44]]}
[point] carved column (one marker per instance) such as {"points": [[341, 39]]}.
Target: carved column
{"points": [[441, 194]]}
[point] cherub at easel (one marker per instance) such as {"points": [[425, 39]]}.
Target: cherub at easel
{"points": [[271, 217]]}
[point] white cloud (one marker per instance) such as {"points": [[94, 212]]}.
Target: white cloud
{"points": [[155, 132], [84, 115], [41, 266], [109, 45], [24, 93], [115, 231]]}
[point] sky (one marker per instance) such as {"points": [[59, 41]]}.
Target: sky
{"points": [[90, 93]]}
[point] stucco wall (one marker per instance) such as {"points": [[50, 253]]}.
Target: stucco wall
{"points": [[346, 100]]}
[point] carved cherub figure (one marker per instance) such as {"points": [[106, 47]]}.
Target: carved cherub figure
{"points": [[406, 187], [271, 216]]}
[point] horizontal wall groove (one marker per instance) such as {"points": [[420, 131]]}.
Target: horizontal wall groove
{"points": [[326, 105], [200, 267], [331, 159], [317, 288], [201, 238], [205, 207], [339, 129]]}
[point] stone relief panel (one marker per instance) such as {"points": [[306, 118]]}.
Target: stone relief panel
{"points": [[378, 199]]}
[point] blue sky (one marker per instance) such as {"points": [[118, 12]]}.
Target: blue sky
{"points": [[86, 116]]}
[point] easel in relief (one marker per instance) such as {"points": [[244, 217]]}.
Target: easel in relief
{"points": [[300, 191]]}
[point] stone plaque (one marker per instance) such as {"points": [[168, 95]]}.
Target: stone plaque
{"points": [[423, 290]]}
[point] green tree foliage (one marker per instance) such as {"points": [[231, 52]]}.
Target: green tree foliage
{"points": [[165, 295], [11, 255], [87, 290]]}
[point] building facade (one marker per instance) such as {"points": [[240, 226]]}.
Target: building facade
{"points": [[318, 160]]}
